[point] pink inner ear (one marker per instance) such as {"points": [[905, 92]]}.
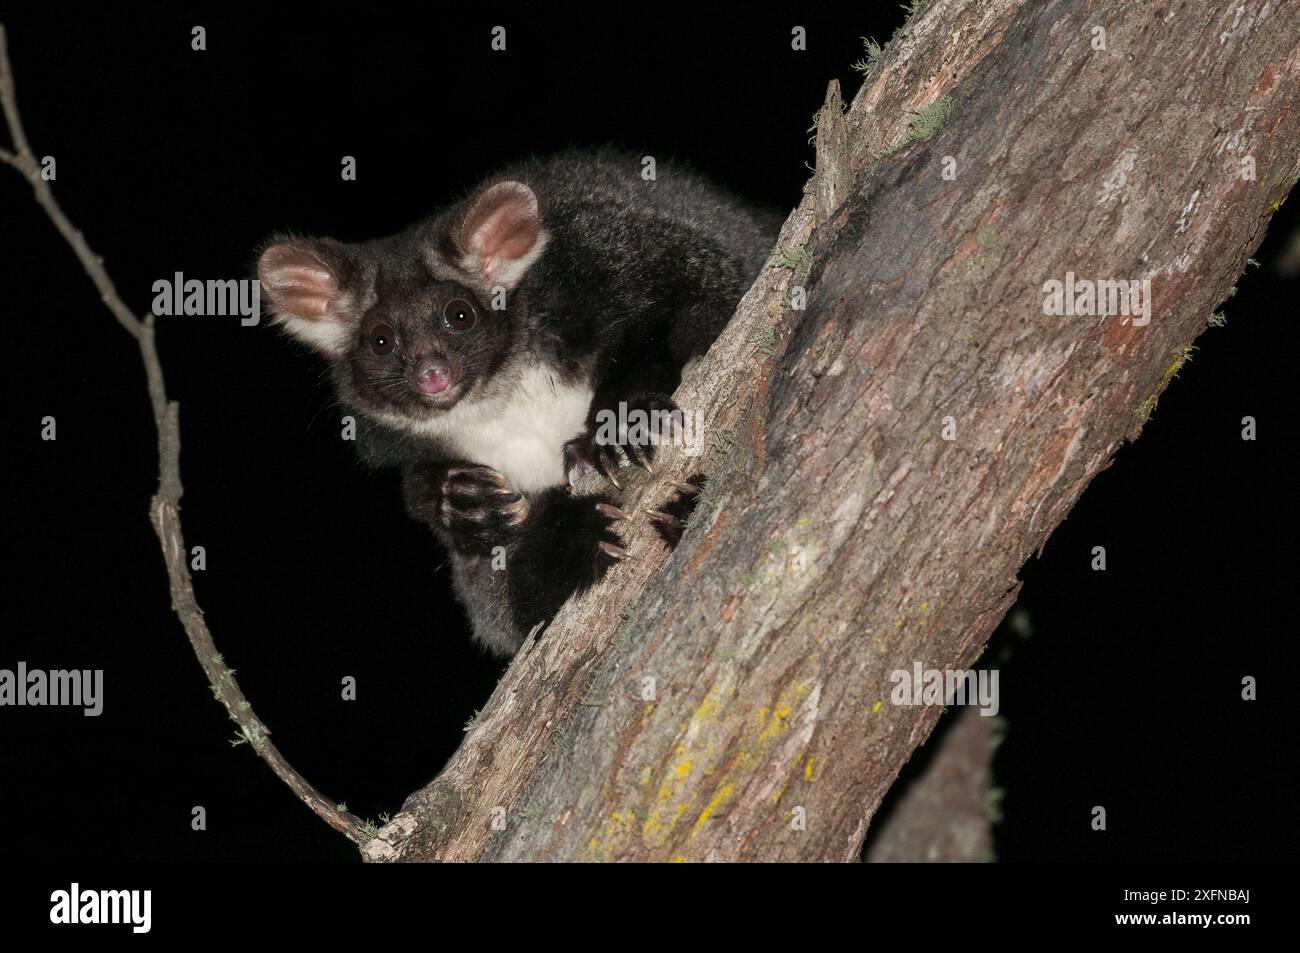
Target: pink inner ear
{"points": [[503, 225], [297, 280]]}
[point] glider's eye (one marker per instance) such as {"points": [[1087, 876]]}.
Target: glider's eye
{"points": [[382, 339], [459, 315]]}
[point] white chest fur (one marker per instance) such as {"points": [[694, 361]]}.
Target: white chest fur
{"points": [[520, 434]]}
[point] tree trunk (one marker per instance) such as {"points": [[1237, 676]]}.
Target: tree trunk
{"points": [[732, 701]]}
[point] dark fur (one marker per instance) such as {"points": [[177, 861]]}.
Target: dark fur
{"points": [[636, 278]]}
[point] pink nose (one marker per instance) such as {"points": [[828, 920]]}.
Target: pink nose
{"points": [[432, 374]]}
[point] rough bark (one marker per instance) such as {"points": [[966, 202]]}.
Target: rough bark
{"points": [[732, 700]]}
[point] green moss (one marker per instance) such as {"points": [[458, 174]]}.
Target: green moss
{"points": [[793, 256], [924, 123], [366, 833], [873, 51]]}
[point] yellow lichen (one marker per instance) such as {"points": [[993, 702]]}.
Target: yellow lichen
{"points": [[776, 724], [724, 792], [619, 822], [1147, 406]]}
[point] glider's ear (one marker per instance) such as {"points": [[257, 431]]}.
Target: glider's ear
{"points": [[305, 281], [501, 235]]}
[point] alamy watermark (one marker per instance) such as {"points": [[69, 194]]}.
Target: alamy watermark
{"points": [[658, 427], [134, 907], [181, 296], [1103, 297], [954, 686], [75, 688]]}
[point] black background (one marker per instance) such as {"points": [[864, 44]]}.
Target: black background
{"points": [[1127, 694]]}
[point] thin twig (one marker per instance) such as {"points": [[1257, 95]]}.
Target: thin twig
{"points": [[164, 510]]}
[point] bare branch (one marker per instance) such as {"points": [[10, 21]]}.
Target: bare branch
{"points": [[164, 511]]}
